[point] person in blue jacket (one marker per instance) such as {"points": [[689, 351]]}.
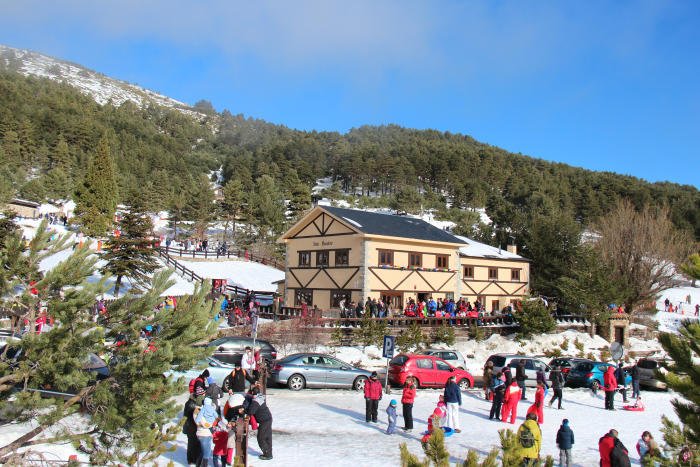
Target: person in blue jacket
{"points": [[453, 400], [565, 440]]}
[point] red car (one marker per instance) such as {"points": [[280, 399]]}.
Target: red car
{"points": [[430, 371]]}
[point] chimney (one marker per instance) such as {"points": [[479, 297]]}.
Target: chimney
{"points": [[512, 247]]}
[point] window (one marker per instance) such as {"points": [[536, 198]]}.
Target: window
{"points": [[393, 299], [442, 261], [303, 296], [448, 356], [515, 274], [442, 366], [469, 272], [322, 258], [493, 273], [415, 260], [342, 257], [386, 258], [495, 305], [424, 363], [338, 296], [304, 258]]}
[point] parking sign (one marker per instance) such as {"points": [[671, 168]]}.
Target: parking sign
{"points": [[388, 347]]}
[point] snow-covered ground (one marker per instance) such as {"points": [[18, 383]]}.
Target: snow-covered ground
{"points": [[245, 274]]}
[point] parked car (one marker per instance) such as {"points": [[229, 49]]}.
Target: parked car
{"points": [[231, 349], [315, 370], [532, 365], [452, 357], [218, 370], [647, 373], [428, 370], [590, 374], [566, 363]]}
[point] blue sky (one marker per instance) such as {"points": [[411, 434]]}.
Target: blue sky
{"points": [[606, 85]]}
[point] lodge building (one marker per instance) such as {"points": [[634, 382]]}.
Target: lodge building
{"points": [[337, 253]]}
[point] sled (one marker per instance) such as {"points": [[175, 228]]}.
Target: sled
{"points": [[632, 408], [448, 431]]}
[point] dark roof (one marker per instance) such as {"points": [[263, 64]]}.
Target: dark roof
{"points": [[396, 226]]}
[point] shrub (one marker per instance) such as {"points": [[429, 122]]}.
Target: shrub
{"points": [[476, 333], [564, 344], [578, 344], [535, 318], [371, 331], [553, 353], [444, 334], [590, 356], [411, 339]]}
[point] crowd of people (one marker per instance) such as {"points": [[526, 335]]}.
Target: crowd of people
{"points": [[422, 308], [212, 410], [669, 307]]}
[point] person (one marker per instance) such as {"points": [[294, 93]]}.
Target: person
{"points": [[453, 400], [204, 419], [538, 407], [610, 386], [634, 373], [621, 384], [194, 449], [373, 394], [685, 457], [557, 380], [530, 441], [435, 419], [407, 399], [507, 375], [565, 441], [235, 381], [488, 377], [258, 409], [200, 384], [220, 438], [213, 392], [643, 446], [248, 364], [497, 388], [612, 452], [520, 377], [511, 397], [391, 414]]}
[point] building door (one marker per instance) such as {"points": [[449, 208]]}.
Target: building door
{"points": [[620, 334], [393, 299]]}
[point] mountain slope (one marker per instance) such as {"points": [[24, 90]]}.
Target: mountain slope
{"points": [[96, 85]]}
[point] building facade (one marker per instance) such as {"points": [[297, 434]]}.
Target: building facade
{"points": [[335, 254]]}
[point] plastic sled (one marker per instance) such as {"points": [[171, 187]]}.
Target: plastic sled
{"points": [[448, 431], [632, 408]]}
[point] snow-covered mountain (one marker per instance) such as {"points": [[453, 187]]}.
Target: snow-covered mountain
{"points": [[96, 85]]}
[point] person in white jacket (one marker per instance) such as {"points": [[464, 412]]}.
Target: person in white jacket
{"points": [[249, 364]]}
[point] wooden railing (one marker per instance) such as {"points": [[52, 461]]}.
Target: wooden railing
{"points": [[216, 254]]}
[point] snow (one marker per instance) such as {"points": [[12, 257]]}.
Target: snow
{"points": [[245, 274], [483, 250]]}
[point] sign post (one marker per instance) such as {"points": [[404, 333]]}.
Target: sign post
{"points": [[388, 353]]}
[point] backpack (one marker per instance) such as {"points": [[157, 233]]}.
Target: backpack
{"points": [[193, 382], [619, 456], [526, 438]]}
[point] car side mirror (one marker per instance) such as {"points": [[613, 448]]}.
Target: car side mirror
{"points": [[452, 369], [221, 349], [345, 368]]}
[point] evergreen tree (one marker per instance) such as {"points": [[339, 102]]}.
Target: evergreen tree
{"points": [[11, 148], [406, 199], [232, 204], [300, 201], [683, 377], [60, 157], [534, 318], [200, 205], [96, 198], [131, 254], [691, 267], [267, 208]]}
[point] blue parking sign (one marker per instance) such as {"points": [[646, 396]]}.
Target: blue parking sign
{"points": [[388, 347]]}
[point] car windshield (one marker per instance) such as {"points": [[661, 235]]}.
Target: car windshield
{"points": [[399, 360], [497, 360], [585, 366]]}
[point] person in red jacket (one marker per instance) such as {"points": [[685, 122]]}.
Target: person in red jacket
{"points": [[538, 407], [373, 394], [510, 402], [610, 384], [612, 452], [407, 399]]}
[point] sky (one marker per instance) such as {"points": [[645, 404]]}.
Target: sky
{"points": [[605, 85]]}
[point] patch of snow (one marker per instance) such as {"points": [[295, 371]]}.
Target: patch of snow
{"points": [[245, 274]]}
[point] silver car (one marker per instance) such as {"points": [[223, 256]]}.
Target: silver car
{"points": [[452, 357], [314, 370], [218, 370]]}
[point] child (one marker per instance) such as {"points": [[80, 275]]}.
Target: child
{"points": [[565, 440], [391, 412], [220, 435]]}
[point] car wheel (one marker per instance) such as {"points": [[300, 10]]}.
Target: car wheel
{"points": [[359, 384], [296, 382], [595, 385], [464, 384]]}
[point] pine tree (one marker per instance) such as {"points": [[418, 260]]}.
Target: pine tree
{"points": [[11, 148], [60, 157], [232, 204], [534, 318], [131, 253], [683, 377], [300, 201], [96, 198], [200, 205], [691, 267], [267, 208]]}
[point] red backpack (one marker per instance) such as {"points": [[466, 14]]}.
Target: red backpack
{"points": [[193, 381]]}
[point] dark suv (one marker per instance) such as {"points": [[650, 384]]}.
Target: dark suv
{"points": [[231, 349]]}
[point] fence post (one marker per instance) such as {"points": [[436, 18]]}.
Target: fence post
{"points": [[241, 430]]}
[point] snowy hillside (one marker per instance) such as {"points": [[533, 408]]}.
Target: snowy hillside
{"points": [[101, 88]]}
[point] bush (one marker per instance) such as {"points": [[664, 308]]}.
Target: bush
{"points": [[578, 344], [371, 332], [553, 353], [444, 334], [565, 344], [477, 333], [535, 318], [411, 339]]}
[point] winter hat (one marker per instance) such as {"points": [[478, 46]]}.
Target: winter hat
{"points": [[565, 422], [210, 381], [236, 400], [374, 374], [393, 402]]}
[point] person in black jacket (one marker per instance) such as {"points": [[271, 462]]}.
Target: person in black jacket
{"points": [[520, 377], [565, 440], [508, 375], [235, 381], [194, 449], [258, 408], [620, 377], [557, 380], [634, 373]]}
